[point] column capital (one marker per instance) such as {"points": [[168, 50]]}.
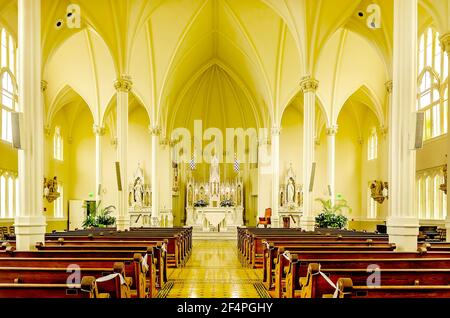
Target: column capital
{"points": [[388, 85], [309, 84], [44, 86], [47, 130], [123, 84], [275, 130], [154, 130], [164, 141], [445, 42], [383, 130], [98, 130], [332, 130]]}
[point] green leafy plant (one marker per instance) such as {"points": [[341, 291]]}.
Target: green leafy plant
{"points": [[99, 217], [331, 216]]}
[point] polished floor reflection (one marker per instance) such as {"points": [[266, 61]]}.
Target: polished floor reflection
{"points": [[214, 271]]}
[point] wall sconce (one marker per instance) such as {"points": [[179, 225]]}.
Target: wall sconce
{"points": [[51, 189], [379, 191]]}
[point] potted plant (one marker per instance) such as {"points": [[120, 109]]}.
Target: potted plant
{"points": [[331, 216], [226, 203], [100, 217], [201, 203]]}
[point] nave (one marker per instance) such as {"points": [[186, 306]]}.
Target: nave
{"points": [[214, 271]]}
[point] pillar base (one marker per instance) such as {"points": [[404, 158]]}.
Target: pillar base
{"points": [[447, 228], [275, 222], [123, 223], [308, 223], [29, 231], [403, 231]]}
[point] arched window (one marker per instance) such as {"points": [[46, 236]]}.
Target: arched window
{"points": [[58, 207], [371, 205], [58, 145], [372, 151], [2, 197], [431, 201], [8, 86], [433, 71]]}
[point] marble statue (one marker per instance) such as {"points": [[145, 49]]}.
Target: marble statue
{"points": [[290, 191]]}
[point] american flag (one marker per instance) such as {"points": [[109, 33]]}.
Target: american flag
{"points": [[192, 163], [236, 165]]}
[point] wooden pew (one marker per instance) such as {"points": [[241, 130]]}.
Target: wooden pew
{"points": [[155, 251], [348, 290], [315, 285], [291, 267], [133, 266], [87, 289], [175, 257], [272, 255]]}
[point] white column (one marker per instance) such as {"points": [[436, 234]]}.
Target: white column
{"points": [[155, 131], [275, 175], [403, 223], [30, 224], [123, 86], [309, 87], [165, 182], [331, 163], [99, 131], [445, 44], [264, 177]]}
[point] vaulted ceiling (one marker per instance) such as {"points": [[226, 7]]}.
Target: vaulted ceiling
{"points": [[260, 48]]}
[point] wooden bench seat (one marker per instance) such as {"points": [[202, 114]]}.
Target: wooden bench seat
{"points": [[87, 289], [348, 290], [133, 267], [314, 285], [291, 267]]}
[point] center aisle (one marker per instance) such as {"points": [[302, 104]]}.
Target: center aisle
{"points": [[214, 271]]}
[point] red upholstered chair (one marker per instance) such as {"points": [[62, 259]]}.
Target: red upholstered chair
{"points": [[266, 219]]}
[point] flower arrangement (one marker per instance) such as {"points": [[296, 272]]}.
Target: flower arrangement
{"points": [[331, 216], [100, 217], [201, 203], [226, 203]]}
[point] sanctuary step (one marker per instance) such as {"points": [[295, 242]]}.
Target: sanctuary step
{"points": [[198, 234]]}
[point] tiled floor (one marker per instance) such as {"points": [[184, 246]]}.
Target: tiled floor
{"points": [[214, 271]]}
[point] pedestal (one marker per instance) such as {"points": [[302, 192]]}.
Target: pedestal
{"points": [[123, 223], [29, 230], [447, 230], [294, 215], [166, 218], [403, 231], [307, 223], [140, 218], [190, 216]]}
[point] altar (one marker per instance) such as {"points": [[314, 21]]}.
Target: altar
{"points": [[215, 206]]}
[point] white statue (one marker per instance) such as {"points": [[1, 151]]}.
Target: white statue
{"points": [[214, 174], [291, 191], [138, 192]]}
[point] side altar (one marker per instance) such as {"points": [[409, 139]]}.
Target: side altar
{"points": [[291, 199], [215, 206]]}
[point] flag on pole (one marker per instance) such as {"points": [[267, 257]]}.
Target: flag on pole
{"points": [[236, 165], [192, 163]]}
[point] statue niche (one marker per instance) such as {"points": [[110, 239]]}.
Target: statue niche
{"points": [[139, 193]]}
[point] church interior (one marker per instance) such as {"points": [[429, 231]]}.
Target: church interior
{"points": [[213, 144]]}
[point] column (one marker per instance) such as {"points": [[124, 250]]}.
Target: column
{"points": [[155, 131], [309, 86], [445, 44], [123, 86], [165, 182], [331, 163], [264, 178], [30, 225], [99, 131], [403, 223], [275, 174]]}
